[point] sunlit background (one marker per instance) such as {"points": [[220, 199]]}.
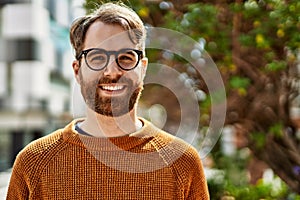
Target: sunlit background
{"points": [[35, 70], [37, 84], [35, 73]]}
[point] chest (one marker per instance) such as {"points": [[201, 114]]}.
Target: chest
{"points": [[89, 178]]}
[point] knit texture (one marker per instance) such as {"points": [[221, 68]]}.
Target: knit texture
{"points": [[148, 164]]}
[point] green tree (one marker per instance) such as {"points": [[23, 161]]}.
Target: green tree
{"points": [[255, 44]]}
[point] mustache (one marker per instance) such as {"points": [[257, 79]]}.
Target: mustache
{"points": [[118, 79]]}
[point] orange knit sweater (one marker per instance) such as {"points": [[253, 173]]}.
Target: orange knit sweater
{"points": [[148, 164]]}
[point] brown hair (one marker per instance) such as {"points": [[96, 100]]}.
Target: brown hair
{"points": [[109, 13]]}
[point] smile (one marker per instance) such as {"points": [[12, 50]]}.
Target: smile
{"points": [[112, 88]]}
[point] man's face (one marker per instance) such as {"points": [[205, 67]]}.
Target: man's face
{"points": [[111, 91]]}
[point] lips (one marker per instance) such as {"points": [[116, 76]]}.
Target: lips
{"points": [[109, 87], [112, 89]]}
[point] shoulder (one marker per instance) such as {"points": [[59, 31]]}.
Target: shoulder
{"points": [[184, 161], [187, 167], [171, 147], [36, 153], [31, 161], [179, 151], [46, 146], [182, 158], [44, 143]]}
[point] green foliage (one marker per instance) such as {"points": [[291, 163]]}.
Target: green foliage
{"points": [[276, 130], [276, 66], [201, 22], [270, 27], [232, 172], [259, 139], [239, 82], [274, 22], [235, 173], [259, 191], [246, 40], [137, 5], [232, 181]]}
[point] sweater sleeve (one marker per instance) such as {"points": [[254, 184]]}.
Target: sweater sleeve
{"points": [[28, 164], [190, 172], [197, 182], [18, 188], [186, 165]]}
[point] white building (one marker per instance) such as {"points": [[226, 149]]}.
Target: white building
{"points": [[35, 70]]}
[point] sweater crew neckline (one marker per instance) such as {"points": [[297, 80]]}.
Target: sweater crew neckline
{"points": [[126, 142]]}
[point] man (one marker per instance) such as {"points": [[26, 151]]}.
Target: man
{"points": [[111, 153]]}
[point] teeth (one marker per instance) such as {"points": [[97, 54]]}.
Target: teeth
{"points": [[112, 88]]}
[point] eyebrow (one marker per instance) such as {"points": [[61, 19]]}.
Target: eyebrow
{"points": [[95, 52]]}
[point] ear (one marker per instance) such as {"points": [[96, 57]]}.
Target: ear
{"points": [[76, 68], [144, 63]]}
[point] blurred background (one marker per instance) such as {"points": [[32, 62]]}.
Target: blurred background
{"points": [[255, 45], [35, 72]]}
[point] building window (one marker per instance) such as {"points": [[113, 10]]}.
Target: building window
{"points": [[2, 105], [23, 49], [3, 2]]}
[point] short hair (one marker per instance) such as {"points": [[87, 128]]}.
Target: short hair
{"points": [[109, 13]]}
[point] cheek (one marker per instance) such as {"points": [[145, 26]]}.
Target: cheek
{"points": [[136, 78], [138, 75], [88, 75]]}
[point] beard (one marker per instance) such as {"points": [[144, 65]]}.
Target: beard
{"points": [[110, 106]]}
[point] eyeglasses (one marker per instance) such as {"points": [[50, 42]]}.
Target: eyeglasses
{"points": [[97, 59]]}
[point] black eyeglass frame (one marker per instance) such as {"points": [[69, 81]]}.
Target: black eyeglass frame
{"points": [[108, 54]]}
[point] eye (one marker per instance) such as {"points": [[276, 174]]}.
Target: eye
{"points": [[126, 57], [129, 56], [96, 57]]}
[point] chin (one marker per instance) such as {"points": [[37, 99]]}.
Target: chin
{"points": [[116, 107]]}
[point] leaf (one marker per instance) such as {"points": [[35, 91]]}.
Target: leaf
{"points": [[276, 66], [259, 139], [276, 130], [239, 82]]}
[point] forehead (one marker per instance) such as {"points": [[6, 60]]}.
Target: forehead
{"points": [[107, 36]]}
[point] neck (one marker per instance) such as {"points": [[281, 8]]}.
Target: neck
{"points": [[105, 126]]}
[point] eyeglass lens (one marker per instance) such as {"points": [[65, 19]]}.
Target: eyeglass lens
{"points": [[98, 59]]}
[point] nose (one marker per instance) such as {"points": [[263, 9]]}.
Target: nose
{"points": [[112, 68]]}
